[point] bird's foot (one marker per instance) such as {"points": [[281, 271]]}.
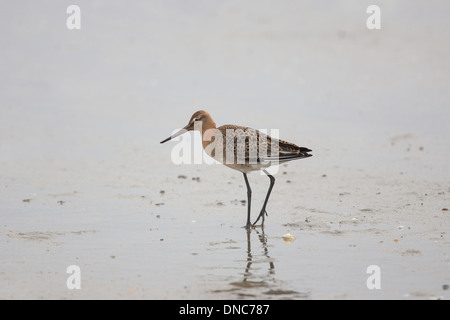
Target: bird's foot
{"points": [[248, 225], [261, 216]]}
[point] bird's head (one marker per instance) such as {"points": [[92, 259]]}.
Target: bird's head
{"points": [[200, 121]]}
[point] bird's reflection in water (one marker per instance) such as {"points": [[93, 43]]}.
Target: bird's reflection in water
{"points": [[263, 240], [260, 268], [258, 279]]}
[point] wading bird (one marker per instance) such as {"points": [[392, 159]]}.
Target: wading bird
{"points": [[243, 149]]}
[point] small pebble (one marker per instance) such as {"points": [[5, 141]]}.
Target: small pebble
{"points": [[181, 176], [288, 237]]}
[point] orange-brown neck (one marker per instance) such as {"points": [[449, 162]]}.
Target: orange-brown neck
{"points": [[208, 131]]}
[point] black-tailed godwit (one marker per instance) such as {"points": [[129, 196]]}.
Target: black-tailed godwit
{"points": [[245, 149]]}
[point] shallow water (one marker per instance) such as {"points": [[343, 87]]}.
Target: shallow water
{"points": [[130, 244]]}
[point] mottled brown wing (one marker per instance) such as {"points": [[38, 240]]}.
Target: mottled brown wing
{"points": [[248, 145]]}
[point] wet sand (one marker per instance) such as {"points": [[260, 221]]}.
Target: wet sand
{"points": [[84, 180]]}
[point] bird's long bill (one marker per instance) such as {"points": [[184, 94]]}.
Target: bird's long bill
{"points": [[176, 134]]}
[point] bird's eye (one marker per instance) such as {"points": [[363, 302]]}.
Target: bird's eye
{"points": [[196, 119]]}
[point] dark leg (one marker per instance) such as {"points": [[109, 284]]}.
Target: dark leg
{"points": [[249, 201], [263, 210]]}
